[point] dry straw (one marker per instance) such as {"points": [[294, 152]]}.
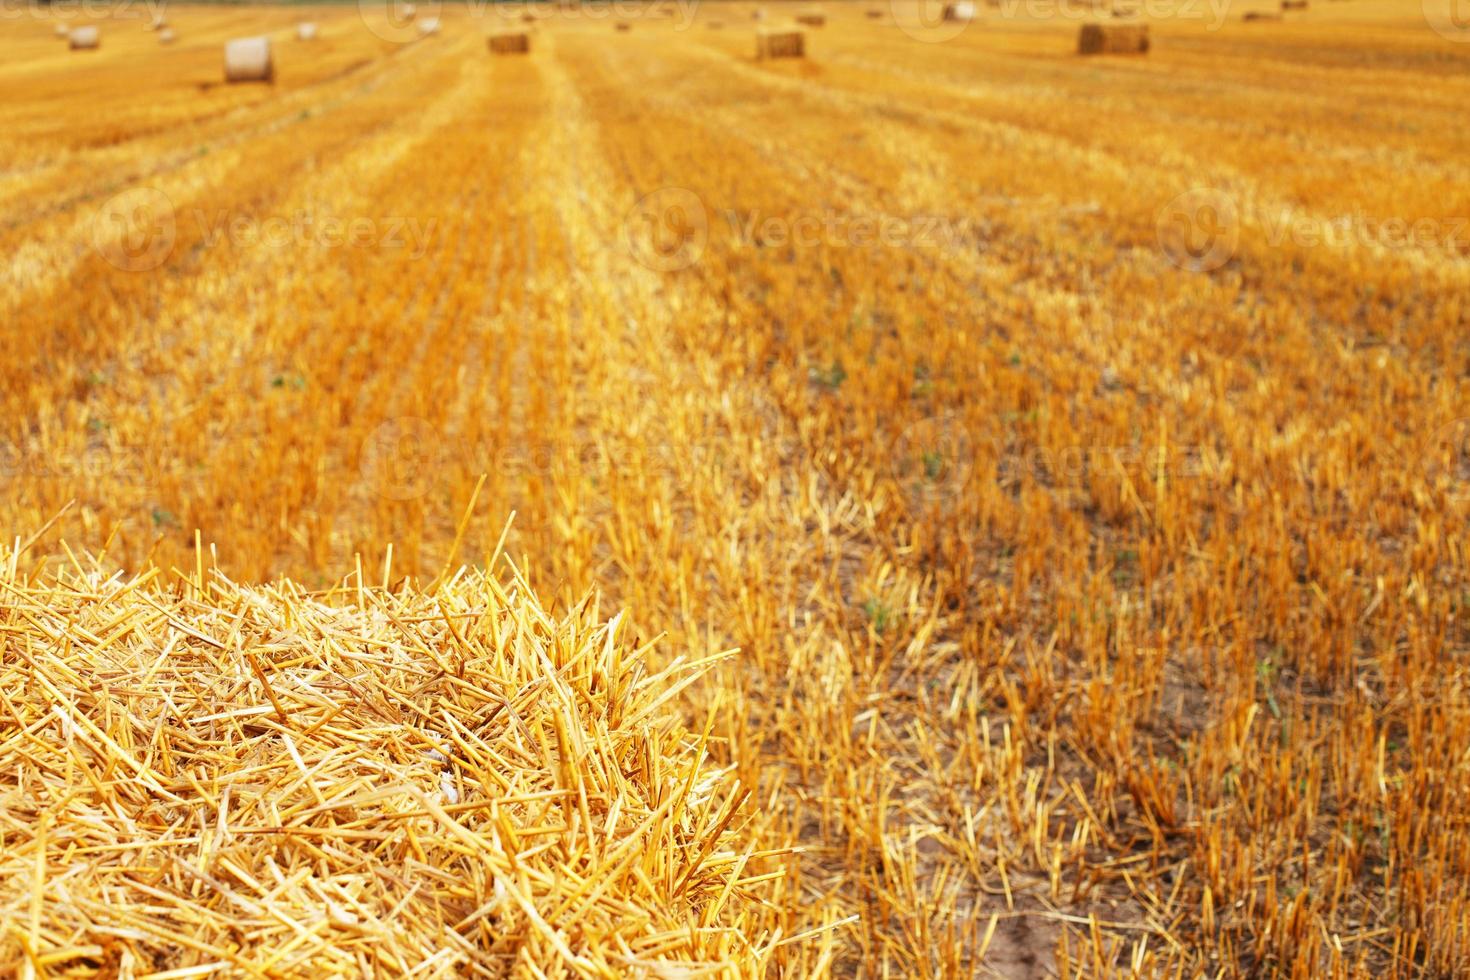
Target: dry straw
{"points": [[214, 779], [248, 59], [780, 44], [85, 38], [1113, 39], [510, 42]]}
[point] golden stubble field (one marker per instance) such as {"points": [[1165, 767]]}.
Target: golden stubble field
{"points": [[1073, 451]]}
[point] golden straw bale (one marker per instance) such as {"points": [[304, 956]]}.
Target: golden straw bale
{"points": [[780, 44], [510, 42], [1113, 39]]}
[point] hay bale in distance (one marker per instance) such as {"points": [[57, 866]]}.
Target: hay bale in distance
{"points": [[780, 44], [1294, 5], [63, 31], [84, 38], [811, 19], [961, 10], [623, 26], [248, 59], [1113, 39], [1259, 15], [758, 14], [166, 36], [409, 11], [428, 26], [510, 42], [306, 31], [874, 13]]}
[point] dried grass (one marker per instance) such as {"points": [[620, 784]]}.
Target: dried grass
{"points": [[269, 782]]}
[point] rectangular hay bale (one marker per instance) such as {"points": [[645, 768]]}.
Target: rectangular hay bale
{"points": [[1113, 39], [780, 44], [811, 19], [510, 42]]}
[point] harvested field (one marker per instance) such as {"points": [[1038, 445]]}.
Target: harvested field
{"points": [[938, 506]]}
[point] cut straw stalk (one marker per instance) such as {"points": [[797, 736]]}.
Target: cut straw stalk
{"points": [[310, 772]]}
